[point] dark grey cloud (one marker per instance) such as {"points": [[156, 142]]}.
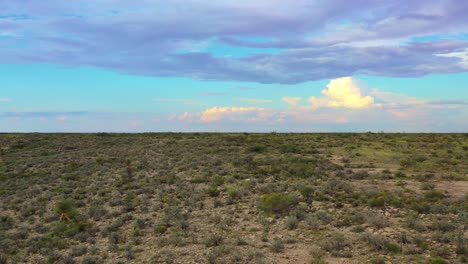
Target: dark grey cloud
{"points": [[315, 39]]}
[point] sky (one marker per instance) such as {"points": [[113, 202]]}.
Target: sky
{"points": [[234, 66]]}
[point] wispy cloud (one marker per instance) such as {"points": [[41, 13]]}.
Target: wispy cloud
{"points": [[235, 114], [253, 100], [212, 94], [292, 101], [42, 114], [3, 100], [179, 101]]}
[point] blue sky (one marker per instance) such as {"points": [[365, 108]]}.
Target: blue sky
{"points": [[304, 66]]}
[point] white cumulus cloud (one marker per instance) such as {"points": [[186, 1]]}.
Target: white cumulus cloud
{"points": [[343, 92], [220, 113]]}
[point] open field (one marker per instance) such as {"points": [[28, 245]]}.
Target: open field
{"points": [[234, 198]]}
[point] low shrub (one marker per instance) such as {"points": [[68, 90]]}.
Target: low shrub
{"points": [[6, 222], [277, 245], [213, 192], [335, 242], [66, 209], [377, 260], [160, 229], [438, 260], [214, 240], [277, 203], [292, 222], [377, 242]]}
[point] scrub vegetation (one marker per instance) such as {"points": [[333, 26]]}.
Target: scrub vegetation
{"points": [[233, 198]]}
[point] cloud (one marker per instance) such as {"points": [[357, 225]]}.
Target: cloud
{"points": [[61, 118], [231, 114], [212, 94], [42, 114], [344, 106], [179, 101], [462, 55], [3, 100], [292, 101], [343, 92], [309, 38], [393, 99], [254, 101], [448, 102]]}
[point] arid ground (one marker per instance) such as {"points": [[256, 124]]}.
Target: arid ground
{"points": [[234, 198]]}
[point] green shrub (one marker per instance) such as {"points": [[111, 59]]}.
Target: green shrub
{"points": [[377, 260], [218, 180], [97, 212], [307, 191], [421, 243], [377, 220], [214, 240], [421, 207], [381, 199], [377, 242], [335, 242], [277, 245], [438, 260], [70, 229], [277, 203], [318, 260], [6, 222], [434, 195], [160, 229], [393, 248], [257, 148], [292, 222], [92, 260], [233, 193], [213, 192], [442, 225], [66, 209], [199, 180]]}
